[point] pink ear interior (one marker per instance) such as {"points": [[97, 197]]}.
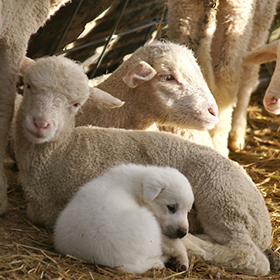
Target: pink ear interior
{"points": [[25, 64], [140, 73], [103, 99]]}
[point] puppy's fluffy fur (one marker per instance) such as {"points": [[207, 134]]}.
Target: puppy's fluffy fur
{"points": [[130, 217]]}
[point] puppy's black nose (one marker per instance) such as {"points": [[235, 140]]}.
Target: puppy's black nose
{"points": [[181, 232]]}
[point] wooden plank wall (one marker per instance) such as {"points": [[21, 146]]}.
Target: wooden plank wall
{"points": [[137, 13]]}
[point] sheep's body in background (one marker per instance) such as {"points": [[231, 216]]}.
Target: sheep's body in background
{"points": [[220, 34], [55, 159], [18, 20]]}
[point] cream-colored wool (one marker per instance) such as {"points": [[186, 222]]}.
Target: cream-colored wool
{"points": [[221, 33], [18, 20], [55, 159]]}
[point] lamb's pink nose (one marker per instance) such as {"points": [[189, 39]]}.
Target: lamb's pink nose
{"points": [[213, 110], [41, 123], [272, 100]]}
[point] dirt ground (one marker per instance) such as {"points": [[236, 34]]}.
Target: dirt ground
{"points": [[26, 251]]}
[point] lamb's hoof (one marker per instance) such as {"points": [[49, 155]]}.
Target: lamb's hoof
{"points": [[3, 205], [236, 142]]}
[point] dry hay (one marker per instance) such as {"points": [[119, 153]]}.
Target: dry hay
{"points": [[26, 250]]}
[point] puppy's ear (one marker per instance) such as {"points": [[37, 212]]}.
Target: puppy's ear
{"points": [[151, 190]]}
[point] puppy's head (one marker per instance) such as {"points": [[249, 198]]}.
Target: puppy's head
{"points": [[168, 194]]}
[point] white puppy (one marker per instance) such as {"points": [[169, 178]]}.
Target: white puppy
{"points": [[130, 217]]}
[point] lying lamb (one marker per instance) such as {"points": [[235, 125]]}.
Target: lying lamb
{"points": [[18, 20], [160, 84], [131, 217], [220, 33], [265, 54], [55, 159]]}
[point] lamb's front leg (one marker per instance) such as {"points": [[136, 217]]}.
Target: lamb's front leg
{"points": [[7, 97], [175, 249]]}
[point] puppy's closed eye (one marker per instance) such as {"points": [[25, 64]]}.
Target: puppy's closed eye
{"points": [[172, 208]]}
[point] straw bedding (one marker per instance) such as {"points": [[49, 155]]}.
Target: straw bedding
{"points": [[26, 251]]}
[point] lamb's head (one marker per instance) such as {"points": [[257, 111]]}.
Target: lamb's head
{"points": [[263, 54], [181, 96], [271, 98], [54, 90], [168, 194]]}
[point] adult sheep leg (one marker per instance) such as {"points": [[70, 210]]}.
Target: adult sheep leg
{"points": [[233, 35], [260, 31], [18, 20], [219, 37]]}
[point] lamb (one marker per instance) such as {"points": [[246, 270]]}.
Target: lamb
{"points": [[220, 33], [160, 84], [18, 20], [263, 54], [162, 94], [55, 159], [132, 217]]}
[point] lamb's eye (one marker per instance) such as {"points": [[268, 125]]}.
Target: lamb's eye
{"points": [[76, 105], [28, 86], [172, 208], [167, 78]]}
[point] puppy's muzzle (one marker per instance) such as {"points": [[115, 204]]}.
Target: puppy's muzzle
{"points": [[179, 232]]}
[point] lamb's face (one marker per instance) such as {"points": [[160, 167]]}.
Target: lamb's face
{"points": [[271, 99], [179, 93], [180, 85], [55, 88], [173, 202]]}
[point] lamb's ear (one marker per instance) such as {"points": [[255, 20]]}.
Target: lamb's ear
{"points": [[25, 64], [151, 190], [263, 54], [140, 73], [103, 99]]}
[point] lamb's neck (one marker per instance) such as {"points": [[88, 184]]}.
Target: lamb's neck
{"points": [[39, 153], [28, 152], [132, 115]]}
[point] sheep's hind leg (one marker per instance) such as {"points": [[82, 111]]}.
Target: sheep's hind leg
{"points": [[265, 11], [246, 258], [234, 30], [237, 134]]}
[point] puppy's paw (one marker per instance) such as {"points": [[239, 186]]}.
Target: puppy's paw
{"points": [[177, 264], [182, 263], [177, 253]]}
